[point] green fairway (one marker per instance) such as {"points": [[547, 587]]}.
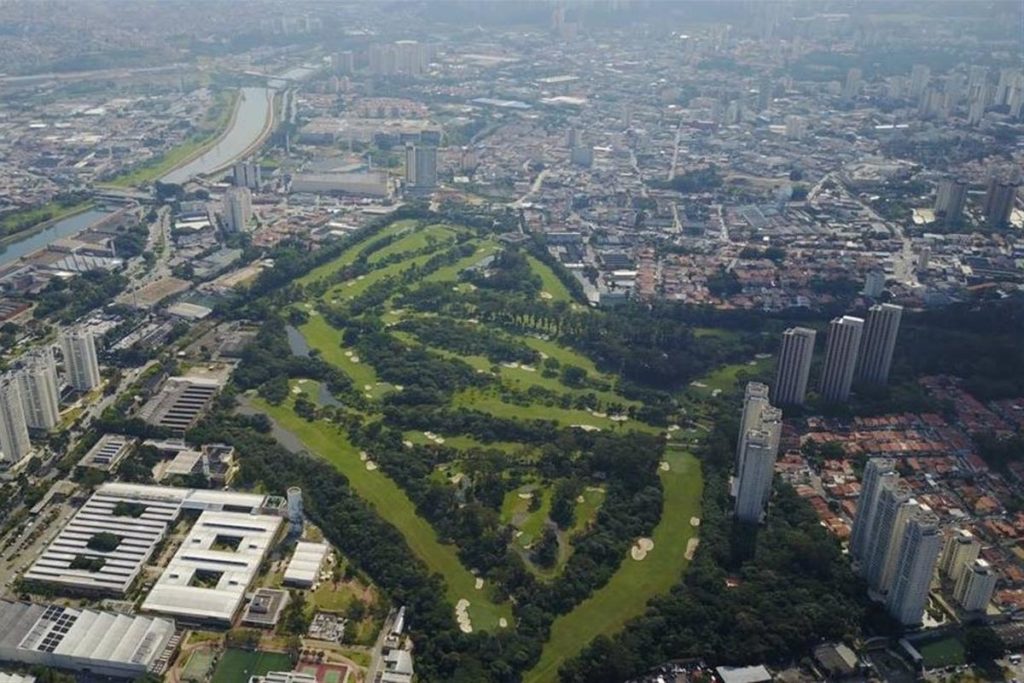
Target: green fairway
{"points": [[487, 401], [391, 503], [550, 284], [515, 510], [586, 510], [566, 356], [725, 378], [327, 340], [451, 273], [348, 257], [353, 288], [236, 666], [625, 596], [416, 239]]}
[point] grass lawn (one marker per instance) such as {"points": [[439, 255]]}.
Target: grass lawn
{"points": [[236, 666], [586, 511], [717, 332], [353, 288], [348, 257], [549, 281], [451, 273], [516, 511], [393, 506], [565, 356], [464, 443], [724, 379], [198, 666], [415, 240], [625, 596], [327, 340], [945, 652], [489, 402]]}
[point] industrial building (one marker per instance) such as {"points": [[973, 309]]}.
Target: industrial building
{"points": [[304, 567], [110, 450], [181, 402], [207, 579], [102, 643]]}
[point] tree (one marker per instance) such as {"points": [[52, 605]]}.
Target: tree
{"points": [[983, 645], [545, 553]]}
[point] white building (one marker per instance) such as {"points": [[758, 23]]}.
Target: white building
{"points": [[959, 552], [794, 368], [304, 567], [420, 166], [247, 173], [876, 471], [296, 518], [893, 507], [80, 363], [758, 445], [874, 284], [976, 585], [207, 579], [237, 209], [840, 358], [919, 551], [14, 441], [40, 390], [878, 343], [796, 126]]}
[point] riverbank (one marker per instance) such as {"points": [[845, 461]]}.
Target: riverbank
{"points": [[183, 154], [268, 128], [40, 236], [36, 228]]}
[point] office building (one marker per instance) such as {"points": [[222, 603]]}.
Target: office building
{"points": [[874, 284], [959, 551], [14, 442], [916, 565], [894, 497], [1000, 198], [794, 368], [878, 343], [796, 127], [975, 586], [237, 209], [248, 174], [840, 358], [420, 167], [950, 200], [877, 471], [40, 390], [80, 364], [758, 445]]}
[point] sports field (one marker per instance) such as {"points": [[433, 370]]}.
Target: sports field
{"points": [[236, 666]]}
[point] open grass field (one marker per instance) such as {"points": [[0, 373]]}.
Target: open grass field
{"points": [[391, 503], [451, 273], [353, 288], [489, 402], [515, 510], [236, 666], [327, 340], [586, 510], [725, 378], [198, 666], [626, 594], [417, 239], [348, 257], [944, 652], [550, 284]]}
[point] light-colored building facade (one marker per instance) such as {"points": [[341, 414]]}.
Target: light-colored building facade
{"points": [[960, 550], [14, 441], [841, 352], [887, 532], [794, 369], [420, 166], [757, 447], [878, 342], [40, 390], [237, 209], [80, 362], [918, 554], [975, 586], [877, 471]]}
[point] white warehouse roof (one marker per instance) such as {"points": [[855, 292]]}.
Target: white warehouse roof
{"points": [[305, 563]]}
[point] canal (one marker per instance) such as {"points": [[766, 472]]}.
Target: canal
{"points": [[66, 227]]}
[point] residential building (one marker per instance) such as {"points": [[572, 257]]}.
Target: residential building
{"points": [[1000, 198], [877, 471], [916, 565], [874, 283], [794, 368], [40, 390], [758, 445], [887, 530], [878, 343], [975, 586], [80, 363], [840, 358], [961, 549], [420, 166], [247, 173], [237, 209], [14, 441], [950, 200]]}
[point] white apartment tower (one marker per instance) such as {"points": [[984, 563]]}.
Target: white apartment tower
{"points": [[247, 173], [840, 358], [237, 209], [878, 342], [916, 565], [975, 587], [40, 390], [421, 166], [959, 552], [877, 471], [80, 363], [794, 369], [758, 445], [887, 532], [14, 443]]}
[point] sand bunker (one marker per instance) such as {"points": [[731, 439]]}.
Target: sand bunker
{"points": [[462, 616], [673, 428], [407, 444], [664, 467], [526, 496], [546, 295], [371, 465], [354, 359], [503, 622], [587, 428], [640, 549], [364, 456], [580, 499], [691, 547], [479, 584], [694, 521]]}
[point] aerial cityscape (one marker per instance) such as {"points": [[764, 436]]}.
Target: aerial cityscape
{"points": [[540, 341]]}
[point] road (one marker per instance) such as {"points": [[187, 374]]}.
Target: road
{"points": [[534, 188]]}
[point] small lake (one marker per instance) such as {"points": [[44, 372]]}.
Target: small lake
{"points": [[300, 347], [66, 227]]}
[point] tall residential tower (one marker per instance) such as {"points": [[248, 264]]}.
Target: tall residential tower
{"points": [[790, 388], [840, 358], [878, 342], [80, 363]]}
